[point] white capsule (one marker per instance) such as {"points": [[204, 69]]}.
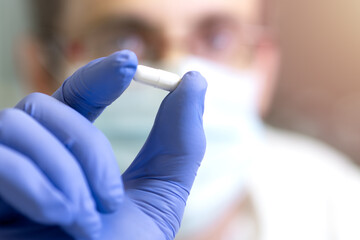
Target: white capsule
{"points": [[157, 78]]}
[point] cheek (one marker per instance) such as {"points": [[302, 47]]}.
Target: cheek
{"points": [[236, 56], [243, 57]]}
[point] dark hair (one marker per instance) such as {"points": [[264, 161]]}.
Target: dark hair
{"points": [[45, 23], [45, 15]]}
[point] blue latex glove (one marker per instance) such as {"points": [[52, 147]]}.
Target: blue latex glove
{"points": [[58, 175]]}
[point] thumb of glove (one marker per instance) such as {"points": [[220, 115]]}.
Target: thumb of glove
{"points": [[176, 144]]}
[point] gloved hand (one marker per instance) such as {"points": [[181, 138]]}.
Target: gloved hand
{"points": [[58, 174]]}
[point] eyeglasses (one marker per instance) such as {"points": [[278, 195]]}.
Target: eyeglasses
{"points": [[217, 38]]}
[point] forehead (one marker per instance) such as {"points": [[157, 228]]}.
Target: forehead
{"points": [[80, 14]]}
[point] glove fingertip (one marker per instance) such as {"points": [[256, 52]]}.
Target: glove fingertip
{"points": [[96, 85], [194, 81], [109, 79], [87, 226], [112, 201], [123, 63]]}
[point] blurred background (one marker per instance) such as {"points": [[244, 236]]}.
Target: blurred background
{"points": [[13, 26], [319, 89]]}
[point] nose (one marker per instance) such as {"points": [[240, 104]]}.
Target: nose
{"points": [[172, 54], [175, 46]]}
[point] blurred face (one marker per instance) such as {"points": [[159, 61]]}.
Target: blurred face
{"points": [[163, 30]]}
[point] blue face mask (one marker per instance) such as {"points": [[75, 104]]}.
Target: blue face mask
{"points": [[232, 128]]}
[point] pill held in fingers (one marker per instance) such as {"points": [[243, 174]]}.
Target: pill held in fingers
{"points": [[157, 78]]}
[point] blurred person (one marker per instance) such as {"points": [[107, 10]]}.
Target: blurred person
{"points": [[255, 182]]}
